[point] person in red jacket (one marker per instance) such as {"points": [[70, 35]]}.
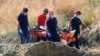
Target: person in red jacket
{"points": [[41, 22], [42, 18]]}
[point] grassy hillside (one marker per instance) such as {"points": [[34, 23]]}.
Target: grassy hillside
{"points": [[64, 9]]}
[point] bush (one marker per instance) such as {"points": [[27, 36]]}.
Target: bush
{"points": [[88, 18], [87, 15]]}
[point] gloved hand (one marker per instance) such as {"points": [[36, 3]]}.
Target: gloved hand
{"points": [[28, 28], [49, 34], [73, 31], [21, 31]]}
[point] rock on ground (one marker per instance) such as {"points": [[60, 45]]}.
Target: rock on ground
{"points": [[43, 49]]}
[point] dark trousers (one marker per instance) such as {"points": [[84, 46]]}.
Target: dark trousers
{"points": [[76, 42], [24, 37], [54, 37], [39, 38]]}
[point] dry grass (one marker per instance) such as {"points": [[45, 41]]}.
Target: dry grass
{"points": [[10, 9], [64, 9]]}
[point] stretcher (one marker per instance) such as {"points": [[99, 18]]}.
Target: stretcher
{"points": [[69, 37]]}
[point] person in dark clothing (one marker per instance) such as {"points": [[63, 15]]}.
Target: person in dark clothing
{"points": [[75, 23], [23, 26], [51, 25]]}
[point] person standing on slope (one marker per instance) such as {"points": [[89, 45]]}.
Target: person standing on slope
{"points": [[75, 23], [23, 26], [41, 22], [51, 25]]}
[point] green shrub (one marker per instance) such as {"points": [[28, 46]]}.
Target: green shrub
{"points": [[87, 14]]}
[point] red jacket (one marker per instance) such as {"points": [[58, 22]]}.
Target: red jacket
{"points": [[41, 20]]}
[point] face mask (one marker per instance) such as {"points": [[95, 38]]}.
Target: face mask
{"points": [[52, 16], [77, 16], [25, 13]]}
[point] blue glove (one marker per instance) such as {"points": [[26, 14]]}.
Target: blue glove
{"points": [[21, 31], [49, 34]]}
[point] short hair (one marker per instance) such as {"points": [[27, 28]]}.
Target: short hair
{"points": [[25, 10], [45, 10]]}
